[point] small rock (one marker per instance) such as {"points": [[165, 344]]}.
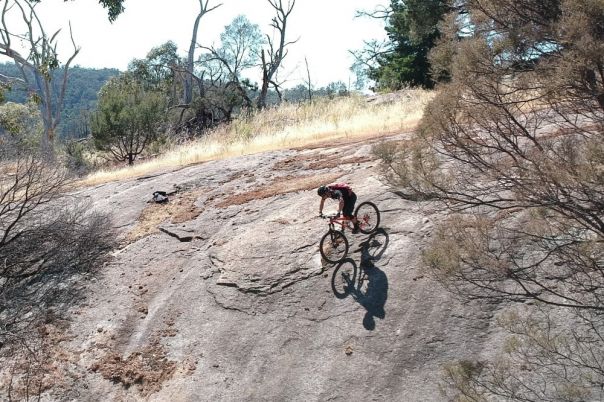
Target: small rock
{"points": [[348, 350]]}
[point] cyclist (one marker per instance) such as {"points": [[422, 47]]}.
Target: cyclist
{"points": [[346, 197]]}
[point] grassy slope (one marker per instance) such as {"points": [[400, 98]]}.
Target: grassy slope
{"points": [[288, 126]]}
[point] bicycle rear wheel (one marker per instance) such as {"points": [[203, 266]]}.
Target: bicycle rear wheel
{"points": [[368, 217], [333, 246]]}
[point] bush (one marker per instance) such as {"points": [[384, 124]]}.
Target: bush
{"points": [[48, 245], [513, 147]]}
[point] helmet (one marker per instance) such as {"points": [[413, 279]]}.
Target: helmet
{"points": [[322, 190]]}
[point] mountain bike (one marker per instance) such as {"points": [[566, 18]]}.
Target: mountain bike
{"points": [[334, 244]]}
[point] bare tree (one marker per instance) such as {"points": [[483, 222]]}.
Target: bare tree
{"points": [[38, 66], [48, 244], [190, 63], [308, 81], [271, 59]]}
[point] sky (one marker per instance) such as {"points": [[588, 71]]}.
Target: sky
{"points": [[325, 31]]}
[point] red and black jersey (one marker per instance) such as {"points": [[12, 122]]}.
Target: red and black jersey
{"points": [[342, 191]]}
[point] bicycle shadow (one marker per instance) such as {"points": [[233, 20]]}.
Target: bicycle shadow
{"points": [[366, 283]]}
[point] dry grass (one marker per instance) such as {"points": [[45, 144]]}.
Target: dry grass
{"points": [[290, 125]]}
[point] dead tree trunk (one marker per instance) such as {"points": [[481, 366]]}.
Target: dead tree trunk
{"points": [[188, 81], [308, 82], [276, 54]]}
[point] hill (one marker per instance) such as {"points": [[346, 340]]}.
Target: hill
{"points": [[221, 293], [83, 86]]}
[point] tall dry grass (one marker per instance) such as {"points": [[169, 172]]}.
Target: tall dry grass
{"points": [[286, 126]]}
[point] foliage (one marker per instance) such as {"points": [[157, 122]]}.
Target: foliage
{"points": [[513, 146], [127, 118], [22, 124], [241, 42], [114, 7], [412, 27], [158, 70], [80, 96]]}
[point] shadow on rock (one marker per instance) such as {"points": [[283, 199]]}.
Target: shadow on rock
{"points": [[367, 284], [374, 247]]}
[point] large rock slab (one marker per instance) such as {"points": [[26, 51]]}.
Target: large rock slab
{"points": [[235, 303]]}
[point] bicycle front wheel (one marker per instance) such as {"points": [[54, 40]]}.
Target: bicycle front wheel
{"points": [[333, 246], [368, 217]]}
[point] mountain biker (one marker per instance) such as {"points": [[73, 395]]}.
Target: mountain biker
{"points": [[346, 197]]}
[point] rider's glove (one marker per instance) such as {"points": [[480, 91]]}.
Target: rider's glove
{"points": [[338, 215]]}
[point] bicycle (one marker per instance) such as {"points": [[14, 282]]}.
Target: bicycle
{"points": [[334, 244]]}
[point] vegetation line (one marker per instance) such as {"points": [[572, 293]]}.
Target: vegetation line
{"points": [[290, 125]]}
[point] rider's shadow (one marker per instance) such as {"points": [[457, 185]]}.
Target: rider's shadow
{"points": [[367, 284]]}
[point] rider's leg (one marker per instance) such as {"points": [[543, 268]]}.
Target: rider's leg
{"points": [[348, 211]]}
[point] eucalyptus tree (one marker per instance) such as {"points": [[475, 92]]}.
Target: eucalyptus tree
{"points": [[160, 70], [39, 62], [113, 7], [204, 8], [127, 119], [239, 51]]}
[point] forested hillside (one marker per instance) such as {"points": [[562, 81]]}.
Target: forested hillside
{"points": [[81, 93]]}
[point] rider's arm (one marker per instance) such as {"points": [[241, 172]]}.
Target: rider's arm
{"points": [[337, 194], [321, 206]]}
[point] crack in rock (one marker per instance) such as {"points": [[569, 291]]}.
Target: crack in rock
{"points": [[182, 235]]}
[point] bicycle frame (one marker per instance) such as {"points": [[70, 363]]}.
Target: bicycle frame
{"points": [[341, 220]]}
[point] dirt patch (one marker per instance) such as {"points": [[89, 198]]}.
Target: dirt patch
{"points": [[181, 208], [147, 369], [296, 162], [363, 138], [281, 185], [317, 161], [38, 363], [330, 163]]}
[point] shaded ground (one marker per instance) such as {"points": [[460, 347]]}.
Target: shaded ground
{"points": [[221, 293]]}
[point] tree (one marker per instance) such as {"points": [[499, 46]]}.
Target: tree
{"points": [[513, 147], [188, 82], [239, 51], [308, 81], [127, 118], [38, 65], [276, 52], [21, 124], [158, 71], [114, 7], [413, 29]]}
